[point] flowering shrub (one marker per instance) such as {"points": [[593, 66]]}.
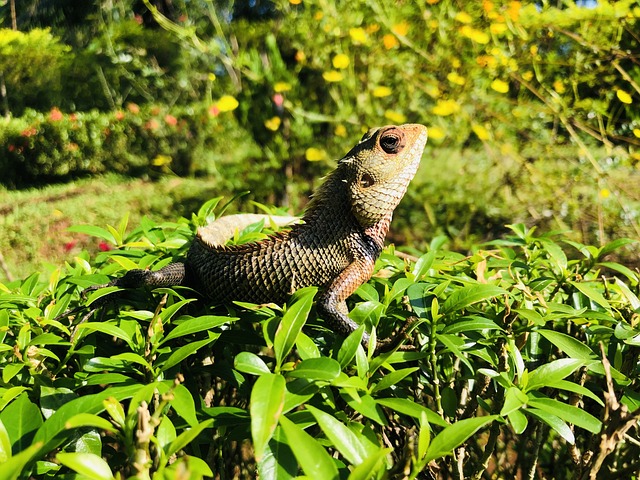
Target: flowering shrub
{"points": [[40, 147]]}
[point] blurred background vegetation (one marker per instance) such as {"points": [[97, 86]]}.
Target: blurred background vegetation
{"points": [[153, 106]]}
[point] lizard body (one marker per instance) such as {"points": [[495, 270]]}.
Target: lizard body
{"points": [[334, 248]]}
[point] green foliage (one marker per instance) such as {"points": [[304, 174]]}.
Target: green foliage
{"points": [[529, 345], [135, 141]]}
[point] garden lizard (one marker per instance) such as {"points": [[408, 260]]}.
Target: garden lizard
{"points": [[334, 247]]}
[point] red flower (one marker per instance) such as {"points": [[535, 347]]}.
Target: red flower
{"points": [[11, 148], [119, 115], [73, 117], [214, 111], [171, 120], [104, 246], [69, 245], [55, 115]]}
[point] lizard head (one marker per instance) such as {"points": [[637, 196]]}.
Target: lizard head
{"points": [[378, 170]]}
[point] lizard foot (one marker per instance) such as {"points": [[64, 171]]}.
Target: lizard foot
{"points": [[395, 341]]}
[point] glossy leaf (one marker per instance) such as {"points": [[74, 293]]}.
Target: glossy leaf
{"points": [[343, 439], [569, 345], [195, 325], [267, 402], [455, 435], [86, 464], [317, 369], [568, 413], [314, 460], [466, 296], [292, 322], [251, 363]]}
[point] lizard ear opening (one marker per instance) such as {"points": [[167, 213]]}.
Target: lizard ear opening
{"points": [[392, 141], [366, 180]]}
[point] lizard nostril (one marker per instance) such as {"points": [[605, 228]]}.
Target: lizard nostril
{"points": [[366, 180]]}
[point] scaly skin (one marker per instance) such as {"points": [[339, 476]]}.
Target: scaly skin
{"points": [[335, 248]]}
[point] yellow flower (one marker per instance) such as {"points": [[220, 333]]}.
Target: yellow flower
{"points": [[623, 96], [395, 117], [527, 76], [475, 35], [390, 41], [340, 131], [444, 108], [57, 213], [481, 132], [227, 103], [432, 2], [313, 154], [373, 28], [273, 123], [295, 2], [332, 76], [463, 17], [401, 29], [558, 86], [161, 160], [280, 87], [604, 193], [432, 90], [455, 62], [498, 28], [358, 35], [300, 56], [382, 92], [340, 61], [318, 16], [436, 133], [500, 86], [454, 77], [533, 49], [636, 132], [212, 77], [514, 10]]}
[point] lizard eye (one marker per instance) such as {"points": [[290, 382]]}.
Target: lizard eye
{"points": [[392, 141], [366, 180]]}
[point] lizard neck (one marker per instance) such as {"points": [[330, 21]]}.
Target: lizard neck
{"points": [[330, 204]]}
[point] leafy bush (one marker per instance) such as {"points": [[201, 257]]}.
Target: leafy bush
{"points": [[527, 350], [38, 147]]}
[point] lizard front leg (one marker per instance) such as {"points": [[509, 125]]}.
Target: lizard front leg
{"points": [[332, 304]]}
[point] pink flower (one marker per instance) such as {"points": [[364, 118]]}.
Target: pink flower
{"points": [[28, 132], [152, 124], [133, 108], [278, 99], [119, 115], [214, 111], [104, 246], [171, 120]]}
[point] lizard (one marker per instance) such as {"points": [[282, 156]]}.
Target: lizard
{"points": [[334, 247]]}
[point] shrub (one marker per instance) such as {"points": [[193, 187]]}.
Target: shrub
{"points": [[527, 349]]}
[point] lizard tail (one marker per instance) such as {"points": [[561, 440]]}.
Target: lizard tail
{"points": [[169, 276]]}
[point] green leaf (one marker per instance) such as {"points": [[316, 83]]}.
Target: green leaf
{"points": [[549, 374], [463, 297], [568, 413], [413, 409], [345, 440], [184, 405], [392, 378], [371, 466], [21, 418], [350, 346], [366, 405], [250, 363], [166, 432], [569, 345], [292, 322], [94, 232], [306, 347], [89, 420], [592, 294], [579, 389], [518, 421], [314, 460], [199, 324], [109, 329], [267, 402], [422, 266], [186, 437], [278, 461], [455, 435], [186, 350], [10, 470], [514, 399], [554, 422], [86, 464], [317, 369], [471, 324], [5, 444], [167, 314], [102, 292]]}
